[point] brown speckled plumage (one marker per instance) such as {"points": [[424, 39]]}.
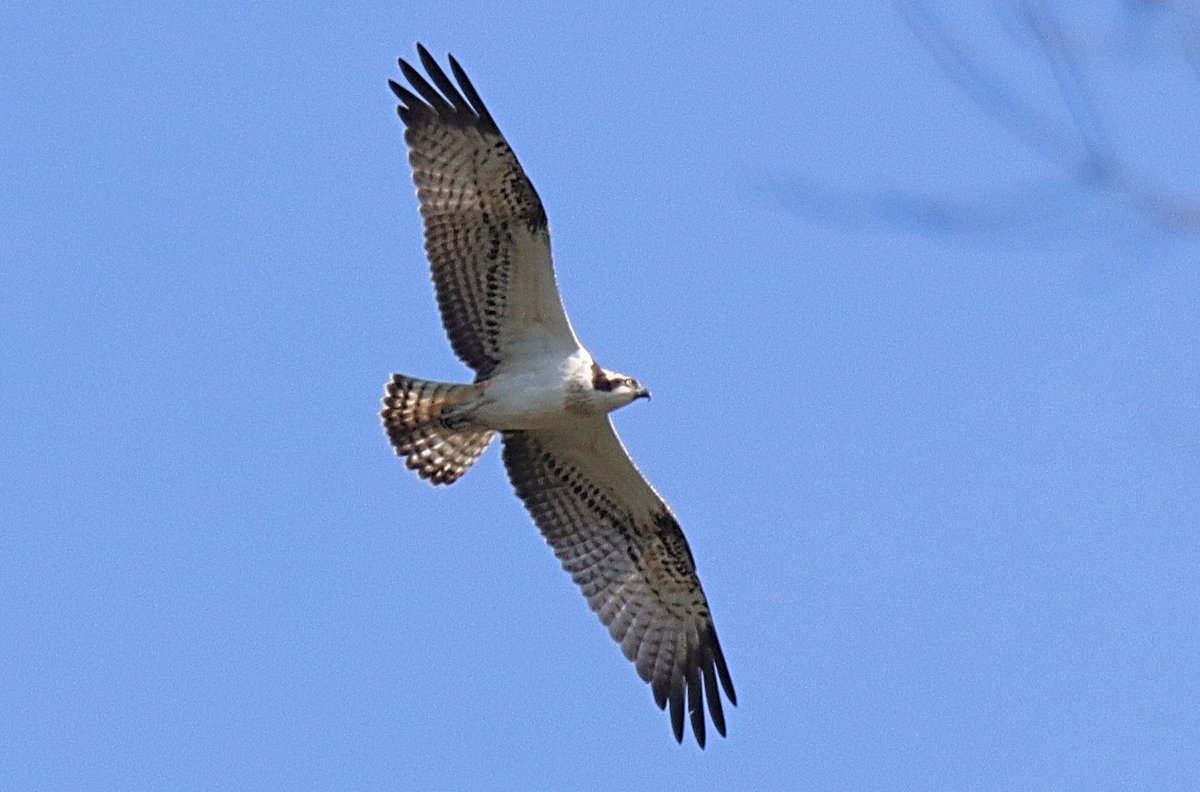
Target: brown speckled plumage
{"points": [[412, 417]]}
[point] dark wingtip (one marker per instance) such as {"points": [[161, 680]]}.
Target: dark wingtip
{"points": [[427, 60], [714, 698], [458, 104], [723, 670], [659, 688], [677, 713], [410, 106], [472, 96], [696, 704]]}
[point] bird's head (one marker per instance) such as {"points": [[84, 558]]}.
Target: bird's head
{"points": [[612, 387]]}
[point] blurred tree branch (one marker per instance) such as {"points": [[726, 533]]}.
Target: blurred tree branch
{"points": [[1083, 149]]}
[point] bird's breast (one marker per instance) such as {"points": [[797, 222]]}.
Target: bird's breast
{"points": [[525, 402]]}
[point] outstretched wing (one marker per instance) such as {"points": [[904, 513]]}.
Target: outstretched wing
{"points": [[624, 548], [486, 234]]}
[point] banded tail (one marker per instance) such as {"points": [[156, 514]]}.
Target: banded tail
{"points": [[412, 417]]}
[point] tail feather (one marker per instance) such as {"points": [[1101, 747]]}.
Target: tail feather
{"points": [[412, 417]]}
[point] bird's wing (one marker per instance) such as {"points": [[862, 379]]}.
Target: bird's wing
{"points": [[625, 549], [486, 234]]}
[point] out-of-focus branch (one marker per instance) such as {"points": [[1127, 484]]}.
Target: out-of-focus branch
{"points": [[1105, 168], [1083, 148], [985, 89], [1068, 76]]}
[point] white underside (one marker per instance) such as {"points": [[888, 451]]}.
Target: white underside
{"points": [[555, 394]]}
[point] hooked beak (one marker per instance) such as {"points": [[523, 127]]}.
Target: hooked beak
{"points": [[641, 393]]}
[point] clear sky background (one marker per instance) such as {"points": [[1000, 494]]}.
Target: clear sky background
{"points": [[926, 396]]}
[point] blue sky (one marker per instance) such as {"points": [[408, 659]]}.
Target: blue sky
{"points": [[927, 402]]}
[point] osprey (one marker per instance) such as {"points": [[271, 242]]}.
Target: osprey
{"points": [[488, 246]]}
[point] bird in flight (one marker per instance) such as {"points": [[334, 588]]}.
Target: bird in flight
{"points": [[488, 245]]}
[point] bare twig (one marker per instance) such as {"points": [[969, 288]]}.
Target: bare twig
{"points": [[1086, 151], [984, 88], [1068, 76]]}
